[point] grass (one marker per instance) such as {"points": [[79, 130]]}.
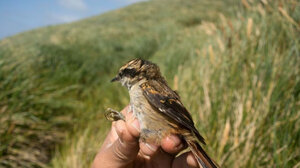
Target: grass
{"points": [[235, 65]]}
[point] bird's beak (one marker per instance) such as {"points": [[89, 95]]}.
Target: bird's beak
{"points": [[117, 78]]}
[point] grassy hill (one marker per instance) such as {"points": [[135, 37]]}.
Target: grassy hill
{"points": [[234, 63]]}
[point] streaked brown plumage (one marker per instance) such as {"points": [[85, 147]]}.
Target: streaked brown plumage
{"points": [[159, 109]]}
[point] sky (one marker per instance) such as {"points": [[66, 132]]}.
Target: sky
{"points": [[20, 15]]}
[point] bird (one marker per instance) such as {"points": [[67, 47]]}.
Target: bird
{"points": [[158, 108]]}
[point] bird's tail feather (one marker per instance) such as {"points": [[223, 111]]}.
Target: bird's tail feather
{"points": [[201, 156]]}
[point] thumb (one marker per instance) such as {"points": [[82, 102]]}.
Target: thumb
{"points": [[125, 149]]}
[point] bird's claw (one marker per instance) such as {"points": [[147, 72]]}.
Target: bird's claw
{"points": [[113, 115]]}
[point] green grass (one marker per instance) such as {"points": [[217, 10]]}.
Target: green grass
{"points": [[235, 65]]}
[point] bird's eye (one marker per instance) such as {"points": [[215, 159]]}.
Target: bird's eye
{"points": [[129, 72]]}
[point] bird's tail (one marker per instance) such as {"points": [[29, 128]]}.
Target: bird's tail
{"points": [[201, 156]]}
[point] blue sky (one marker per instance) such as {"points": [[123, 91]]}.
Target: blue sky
{"points": [[20, 15]]}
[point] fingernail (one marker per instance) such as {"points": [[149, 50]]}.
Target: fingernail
{"points": [[151, 147], [135, 124], [129, 109], [129, 116], [175, 140]]}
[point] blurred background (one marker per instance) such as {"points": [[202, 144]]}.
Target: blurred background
{"points": [[235, 64]]}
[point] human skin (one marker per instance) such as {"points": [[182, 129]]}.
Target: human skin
{"points": [[122, 149]]}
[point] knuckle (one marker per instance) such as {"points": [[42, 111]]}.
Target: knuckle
{"points": [[120, 155]]}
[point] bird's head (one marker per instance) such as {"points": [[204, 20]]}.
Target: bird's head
{"points": [[135, 71]]}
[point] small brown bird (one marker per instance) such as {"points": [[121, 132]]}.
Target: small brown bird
{"points": [[158, 108]]}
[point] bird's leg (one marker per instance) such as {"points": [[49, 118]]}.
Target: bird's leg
{"points": [[113, 115]]}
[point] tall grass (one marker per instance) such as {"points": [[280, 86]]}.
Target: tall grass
{"points": [[239, 76], [235, 65], [246, 93]]}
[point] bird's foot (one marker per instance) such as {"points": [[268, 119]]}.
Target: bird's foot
{"points": [[113, 115]]}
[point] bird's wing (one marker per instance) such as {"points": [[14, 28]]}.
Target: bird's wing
{"points": [[166, 101]]}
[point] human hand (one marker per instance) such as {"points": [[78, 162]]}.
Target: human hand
{"points": [[122, 149]]}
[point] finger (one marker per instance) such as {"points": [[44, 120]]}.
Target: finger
{"points": [[111, 137], [186, 160], [172, 144], [132, 124], [127, 147], [147, 149], [123, 151], [161, 159]]}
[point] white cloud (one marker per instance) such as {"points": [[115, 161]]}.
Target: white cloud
{"points": [[130, 1], [67, 18], [73, 4], [62, 18]]}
